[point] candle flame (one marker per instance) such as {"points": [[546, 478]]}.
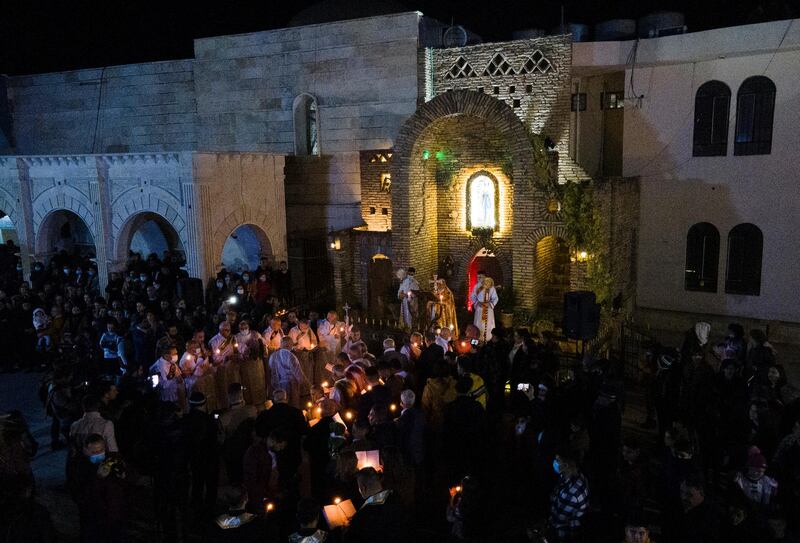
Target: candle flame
{"points": [[270, 506], [337, 501]]}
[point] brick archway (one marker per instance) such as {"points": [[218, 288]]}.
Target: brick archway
{"points": [[409, 208], [542, 232]]}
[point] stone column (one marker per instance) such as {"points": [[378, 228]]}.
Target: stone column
{"points": [[195, 213], [24, 219], [100, 200]]}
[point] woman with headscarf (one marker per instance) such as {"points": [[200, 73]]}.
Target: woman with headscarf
{"points": [[42, 323], [484, 301]]}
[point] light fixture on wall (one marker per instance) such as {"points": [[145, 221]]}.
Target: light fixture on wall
{"points": [[581, 255], [334, 241]]}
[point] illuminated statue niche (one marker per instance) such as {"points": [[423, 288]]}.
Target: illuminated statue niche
{"points": [[482, 202]]}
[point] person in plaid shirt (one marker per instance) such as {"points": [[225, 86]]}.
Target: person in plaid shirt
{"points": [[569, 500]]}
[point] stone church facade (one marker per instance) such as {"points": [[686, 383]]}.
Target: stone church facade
{"points": [[350, 147]]}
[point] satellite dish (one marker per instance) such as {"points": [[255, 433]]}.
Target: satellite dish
{"points": [[455, 36]]}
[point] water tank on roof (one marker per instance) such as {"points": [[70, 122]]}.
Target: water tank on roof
{"points": [[662, 23], [615, 30], [579, 31], [528, 33]]}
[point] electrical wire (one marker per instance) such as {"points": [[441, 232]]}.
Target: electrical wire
{"points": [[97, 112]]}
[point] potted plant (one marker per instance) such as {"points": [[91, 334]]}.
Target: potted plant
{"points": [[506, 302]]}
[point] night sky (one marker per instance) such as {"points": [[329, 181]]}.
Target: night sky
{"points": [[37, 36]]}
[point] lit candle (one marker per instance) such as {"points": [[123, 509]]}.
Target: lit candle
{"points": [[458, 488], [188, 357], [392, 408], [441, 297], [409, 294], [309, 405], [269, 507], [319, 411], [348, 415], [217, 351], [337, 501], [325, 384], [463, 343], [414, 344]]}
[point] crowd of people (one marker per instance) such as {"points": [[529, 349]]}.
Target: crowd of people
{"points": [[250, 421]]}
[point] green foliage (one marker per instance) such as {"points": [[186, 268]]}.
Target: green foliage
{"points": [[544, 167], [506, 299], [582, 221]]}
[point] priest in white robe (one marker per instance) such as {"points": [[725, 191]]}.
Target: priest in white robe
{"points": [[408, 294], [287, 374], [330, 332], [484, 301]]}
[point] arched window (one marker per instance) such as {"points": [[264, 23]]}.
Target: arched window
{"points": [[745, 248], [306, 125], [755, 106], [482, 202], [711, 110], [702, 257]]}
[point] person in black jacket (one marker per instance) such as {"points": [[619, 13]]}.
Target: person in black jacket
{"points": [[411, 427], [287, 418], [201, 432], [430, 355], [316, 444], [381, 519], [464, 433]]}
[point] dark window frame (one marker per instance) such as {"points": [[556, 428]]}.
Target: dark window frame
{"points": [[578, 101], [618, 101], [701, 269], [755, 116], [744, 260], [712, 110]]}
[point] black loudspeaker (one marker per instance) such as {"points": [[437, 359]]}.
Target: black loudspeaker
{"points": [[581, 315], [191, 290]]}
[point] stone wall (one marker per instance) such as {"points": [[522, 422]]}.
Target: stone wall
{"points": [[363, 74], [136, 107]]}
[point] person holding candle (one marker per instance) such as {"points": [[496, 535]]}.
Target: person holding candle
{"points": [[274, 334], [330, 332], [408, 294], [224, 352]]}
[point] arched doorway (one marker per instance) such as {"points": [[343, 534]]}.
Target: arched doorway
{"points": [[149, 233], [7, 229], [488, 263], [379, 286], [244, 247], [63, 230], [9, 243], [551, 272]]}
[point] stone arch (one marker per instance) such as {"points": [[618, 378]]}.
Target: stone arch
{"points": [[8, 205], [240, 217], [155, 200], [123, 236], [46, 235], [555, 230], [305, 104], [66, 198]]}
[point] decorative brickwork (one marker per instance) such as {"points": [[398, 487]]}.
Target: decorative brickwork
{"points": [[376, 197]]}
